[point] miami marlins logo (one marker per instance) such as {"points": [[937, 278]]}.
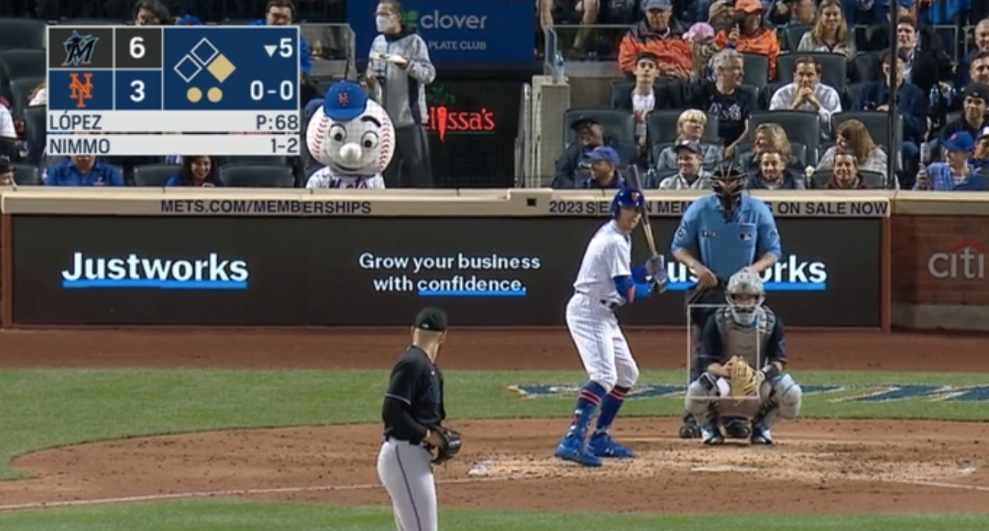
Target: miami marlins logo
{"points": [[79, 49]]}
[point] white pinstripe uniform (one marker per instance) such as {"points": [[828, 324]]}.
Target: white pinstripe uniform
{"points": [[592, 324]]}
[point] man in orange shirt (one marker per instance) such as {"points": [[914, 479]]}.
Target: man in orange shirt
{"points": [[749, 34], [655, 36]]}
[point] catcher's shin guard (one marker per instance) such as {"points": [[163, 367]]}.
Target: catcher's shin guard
{"points": [[690, 429]]}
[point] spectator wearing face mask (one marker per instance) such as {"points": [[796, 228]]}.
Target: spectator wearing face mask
{"points": [[750, 34], [196, 171], [807, 93], [691, 175], [830, 33], [773, 174], [604, 172], [574, 164], [844, 175], [398, 73], [83, 170], [956, 174]]}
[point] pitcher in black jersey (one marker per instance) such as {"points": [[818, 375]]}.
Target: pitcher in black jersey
{"points": [[746, 328], [412, 409]]}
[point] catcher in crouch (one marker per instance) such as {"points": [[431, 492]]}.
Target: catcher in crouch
{"points": [[737, 339]]}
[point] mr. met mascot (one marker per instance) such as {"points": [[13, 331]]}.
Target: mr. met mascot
{"points": [[352, 137]]}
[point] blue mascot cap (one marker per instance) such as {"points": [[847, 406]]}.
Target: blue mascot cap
{"points": [[344, 101], [627, 198]]}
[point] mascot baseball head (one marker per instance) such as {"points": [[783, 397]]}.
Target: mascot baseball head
{"points": [[350, 133]]}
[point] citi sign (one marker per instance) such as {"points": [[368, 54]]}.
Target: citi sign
{"points": [[789, 274], [964, 259], [134, 272]]}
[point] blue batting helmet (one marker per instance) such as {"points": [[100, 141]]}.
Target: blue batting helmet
{"points": [[627, 198]]}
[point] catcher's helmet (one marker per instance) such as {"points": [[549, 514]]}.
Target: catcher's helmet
{"points": [[627, 197], [728, 181], [745, 295]]}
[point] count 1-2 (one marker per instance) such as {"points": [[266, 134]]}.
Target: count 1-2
{"points": [[74, 122]]}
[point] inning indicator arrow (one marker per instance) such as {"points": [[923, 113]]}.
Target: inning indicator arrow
{"points": [[270, 48]]}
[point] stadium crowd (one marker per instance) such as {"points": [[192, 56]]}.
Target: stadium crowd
{"points": [[796, 91]]}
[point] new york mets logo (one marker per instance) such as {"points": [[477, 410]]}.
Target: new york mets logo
{"points": [[343, 99], [81, 91], [79, 49]]}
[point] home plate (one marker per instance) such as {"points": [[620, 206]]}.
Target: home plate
{"points": [[723, 468]]}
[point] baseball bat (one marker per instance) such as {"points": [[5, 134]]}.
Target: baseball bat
{"points": [[646, 228]]}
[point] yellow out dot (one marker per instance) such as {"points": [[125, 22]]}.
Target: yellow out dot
{"points": [[194, 95], [214, 94]]}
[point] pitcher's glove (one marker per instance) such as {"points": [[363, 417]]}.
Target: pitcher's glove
{"points": [[744, 379], [452, 441]]}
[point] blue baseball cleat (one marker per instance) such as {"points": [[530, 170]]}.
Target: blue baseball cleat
{"points": [[602, 445], [573, 449]]}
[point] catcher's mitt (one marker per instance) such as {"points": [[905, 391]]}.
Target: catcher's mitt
{"points": [[744, 379], [452, 441]]}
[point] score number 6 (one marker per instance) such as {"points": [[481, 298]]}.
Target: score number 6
{"points": [[137, 51]]}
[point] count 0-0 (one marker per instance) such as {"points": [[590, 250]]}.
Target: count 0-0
{"points": [[285, 89]]}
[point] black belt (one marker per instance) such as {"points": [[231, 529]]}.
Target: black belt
{"points": [[611, 305], [406, 441]]}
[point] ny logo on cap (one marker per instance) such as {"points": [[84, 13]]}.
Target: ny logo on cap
{"points": [[343, 99]]}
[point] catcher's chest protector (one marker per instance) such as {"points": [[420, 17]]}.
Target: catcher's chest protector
{"points": [[749, 342]]}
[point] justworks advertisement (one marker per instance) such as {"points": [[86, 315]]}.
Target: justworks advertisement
{"points": [[380, 271]]}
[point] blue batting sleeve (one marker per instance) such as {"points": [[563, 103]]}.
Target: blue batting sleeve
{"points": [[640, 276], [685, 236], [631, 290], [769, 235]]}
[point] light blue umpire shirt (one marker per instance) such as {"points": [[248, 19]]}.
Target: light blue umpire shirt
{"points": [[725, 247]]}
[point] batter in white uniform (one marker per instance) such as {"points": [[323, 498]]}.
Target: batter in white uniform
{"points": [[604, 283]]}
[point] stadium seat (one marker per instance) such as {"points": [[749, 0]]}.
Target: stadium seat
{"points": [[257, 176], [20, 63], [655, 177], [618, 124], [154, 174], [20, 89], [755, 93], [35, 132], [866, 66], [27, 175], [852, 92], [655, 150], [801, 128], [661, 126], [834, 68], [872, 179], [756, 69], [22, 34], [794, 34]]}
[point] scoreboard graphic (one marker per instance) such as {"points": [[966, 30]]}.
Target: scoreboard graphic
{"points": [[173, 90]]}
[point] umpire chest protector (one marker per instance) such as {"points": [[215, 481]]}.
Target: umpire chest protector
{"points": [[750, 342]]}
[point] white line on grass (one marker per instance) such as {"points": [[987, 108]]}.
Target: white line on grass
{"points": [[227, 492]]}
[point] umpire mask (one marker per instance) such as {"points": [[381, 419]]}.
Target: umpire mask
{"points": [[728, 182]]}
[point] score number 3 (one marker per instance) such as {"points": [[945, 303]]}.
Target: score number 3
{"points": [[137, 51]]}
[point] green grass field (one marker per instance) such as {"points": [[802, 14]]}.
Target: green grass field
{"points": [[48, 408]]}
